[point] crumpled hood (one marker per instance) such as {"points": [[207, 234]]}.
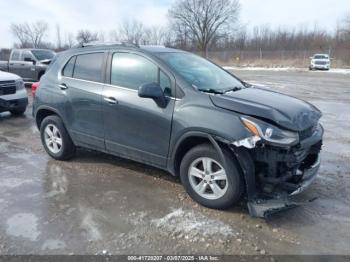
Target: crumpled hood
{"points": [[286, 111]]}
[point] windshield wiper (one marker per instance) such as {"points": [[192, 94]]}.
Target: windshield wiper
{"points": [[231, 89], [211, 90]]}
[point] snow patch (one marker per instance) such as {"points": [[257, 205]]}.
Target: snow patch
{"points": [[279, 69], [192, 225], [23, 225], [263, 68], [53, 244], [14, 182]]}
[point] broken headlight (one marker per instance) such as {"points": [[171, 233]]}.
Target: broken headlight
{"points": [[270, 133]]}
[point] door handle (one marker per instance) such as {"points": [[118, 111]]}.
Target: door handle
{"points": [[110, 100], [63, 86]]}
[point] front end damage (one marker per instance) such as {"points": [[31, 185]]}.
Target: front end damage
{"points": [[274, 173]]}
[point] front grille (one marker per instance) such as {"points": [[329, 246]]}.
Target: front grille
{"points": [[7, 87], [307, 133], [321, 63]]}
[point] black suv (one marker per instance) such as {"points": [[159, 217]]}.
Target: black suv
{"points": [[181, 113]]}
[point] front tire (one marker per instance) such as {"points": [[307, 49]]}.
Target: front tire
{"points": [[55, 138], [207, 181]]}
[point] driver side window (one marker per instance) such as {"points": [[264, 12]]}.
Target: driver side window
{"points": [[26, 55], [132, 71]]}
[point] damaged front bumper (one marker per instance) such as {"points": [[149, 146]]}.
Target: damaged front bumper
{"points": [[274, 175], [282, 201]]}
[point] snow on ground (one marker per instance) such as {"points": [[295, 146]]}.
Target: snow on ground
{"points": [[276, 69], [193, 225]]}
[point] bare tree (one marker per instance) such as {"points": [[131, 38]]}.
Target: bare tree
{"points": [[86, 36], [30, 35], [155, 35], [204, 18], [131, 32], [346, 26], [58, 37], [69, 41]]}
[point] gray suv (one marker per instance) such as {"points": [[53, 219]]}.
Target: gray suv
{"points": [[179, 112]]}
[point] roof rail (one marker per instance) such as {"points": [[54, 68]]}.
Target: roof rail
{"points": [[161, 46], [97, 43]]}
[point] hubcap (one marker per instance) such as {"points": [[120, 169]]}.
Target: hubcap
{"points": [[53, 138], [208, 178]]}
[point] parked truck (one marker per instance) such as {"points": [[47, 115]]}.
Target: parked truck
{"points": [[29, 64]]}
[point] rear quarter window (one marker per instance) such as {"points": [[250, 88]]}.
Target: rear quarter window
{"points": [[69, 67], [89, 67]]}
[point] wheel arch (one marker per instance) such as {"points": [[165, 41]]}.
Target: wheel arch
{"points": [[43, 112], [190, 140], [241, 156]]}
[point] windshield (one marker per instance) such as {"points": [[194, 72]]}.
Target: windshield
{"points": [[320, 57], [200, 73], [43, 54]]}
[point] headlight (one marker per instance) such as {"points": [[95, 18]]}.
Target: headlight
{"points": [[270, 133], [19, 84]]}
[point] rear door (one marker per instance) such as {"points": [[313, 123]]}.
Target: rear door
{"points": [[82, 83], [137, 127]]}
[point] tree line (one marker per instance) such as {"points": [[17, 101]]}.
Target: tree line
{"points": [[197, 25]]}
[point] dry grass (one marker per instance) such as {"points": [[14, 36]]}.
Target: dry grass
{"points": [[275, 63]]}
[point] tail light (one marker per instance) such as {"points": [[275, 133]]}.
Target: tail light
{"points": [[35, 86]]}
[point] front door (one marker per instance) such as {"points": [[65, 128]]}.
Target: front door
{"points": [[28, 71], [136, 127]]}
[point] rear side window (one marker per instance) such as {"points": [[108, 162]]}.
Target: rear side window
{"points": [[15, 56], [69, 67], [131, 71], [89, 67]]}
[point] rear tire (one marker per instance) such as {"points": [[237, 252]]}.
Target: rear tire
{"points": [[213, 186], [55, 138], [18, 111]]}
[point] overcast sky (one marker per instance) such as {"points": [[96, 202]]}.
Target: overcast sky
{"points": [[105, 15]]}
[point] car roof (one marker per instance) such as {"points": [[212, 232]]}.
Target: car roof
{"points": [[32, 49], [142, 48]]}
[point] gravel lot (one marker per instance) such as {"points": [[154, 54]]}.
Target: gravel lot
{"points": [[97, 203]]}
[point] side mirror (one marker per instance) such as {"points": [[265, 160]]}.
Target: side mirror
{"points": [[153, 91], [28, 59]]}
